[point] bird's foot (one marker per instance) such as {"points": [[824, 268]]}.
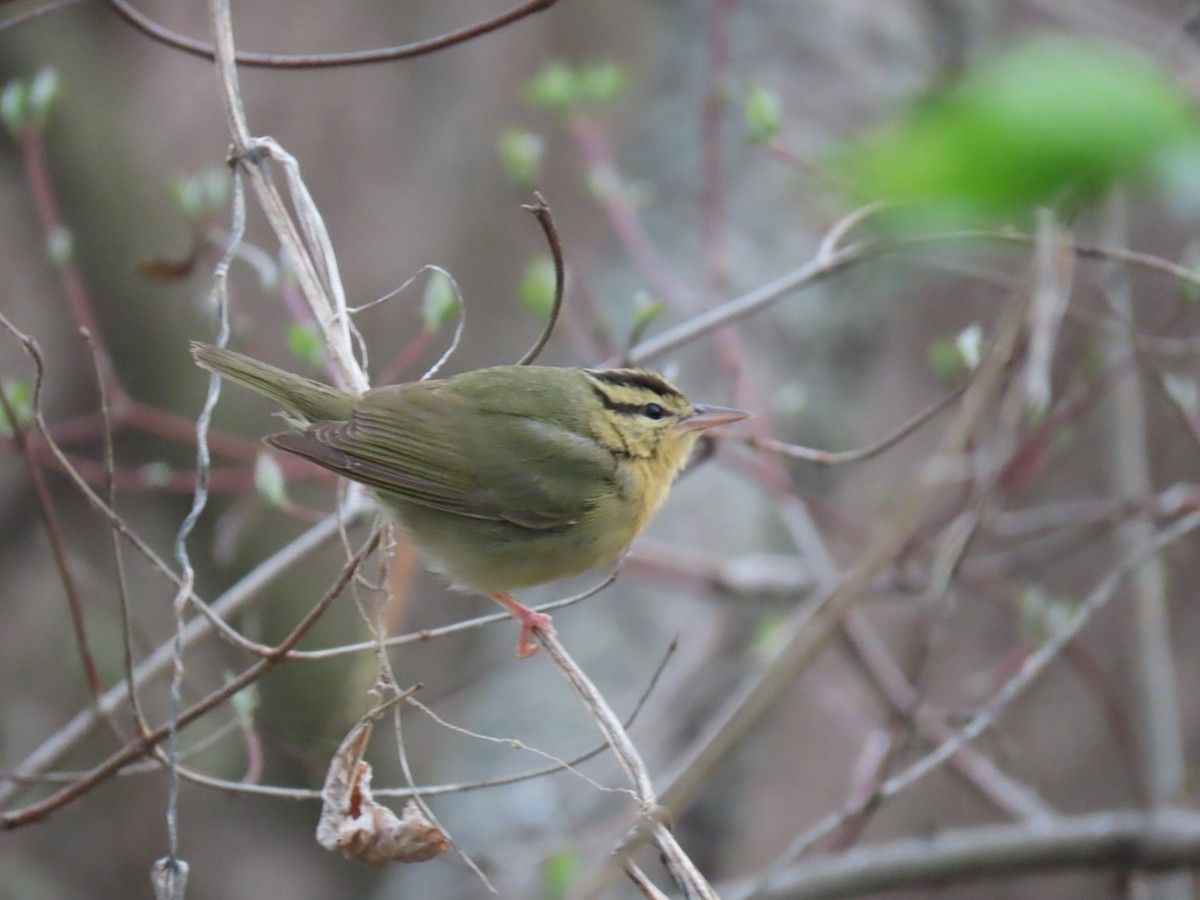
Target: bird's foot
{"points": [[527, 644]]}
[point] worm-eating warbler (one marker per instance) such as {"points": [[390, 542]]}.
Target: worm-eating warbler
{"points": [[505, 477]]}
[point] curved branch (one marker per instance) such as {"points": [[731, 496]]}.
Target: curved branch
{"points": [[541, 212], [163, 35]]}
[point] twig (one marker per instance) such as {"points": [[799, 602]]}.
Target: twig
{"points": [[220, 299], [118, 557], [138, 747], [430, 790], [170, 38], [818, 269], [1054, 267], [41, 187], [596, 150], [429, 634], [1030, 669], [1016, 799], [640, 880], [304, 238], [1129, 474], [681, 867], [712, 150], [28, 16], [558, 764], [807, 275], [811, 629], [1121, 842], [541, 212], [115, 521], [57, 544], [841, 457], [234, 599]]}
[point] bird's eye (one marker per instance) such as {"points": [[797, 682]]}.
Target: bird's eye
{"points": [[653, 411]]}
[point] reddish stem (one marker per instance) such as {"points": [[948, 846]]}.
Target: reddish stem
{"points": [[57, 545], [712, 155], [623, 218], [41, 188]]}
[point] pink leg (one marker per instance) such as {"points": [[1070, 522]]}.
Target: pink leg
{"points": [[527, 645]]}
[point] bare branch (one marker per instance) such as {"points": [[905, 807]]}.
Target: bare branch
{"points": [[541, 212], [152, 29], [1118, 842]]}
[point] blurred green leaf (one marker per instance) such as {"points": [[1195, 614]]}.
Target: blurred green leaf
{"points": [[304, 340], [557, 874], [214, 186], [1053, 119], [245, 701], [20, 397], [14, 106], [189, 195], [969, 343], [43, 92], [537, 286], [202, 192], [60, 245], [560, 89], [646, 311], [552, 89], [762, 111], [269, 480], [155, 474], [521, 154], [600, 84], [768, 636], [790, 399], [440, 302], [1039, 615]]}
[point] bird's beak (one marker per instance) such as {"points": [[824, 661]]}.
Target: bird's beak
{"points": [[705, 417]]}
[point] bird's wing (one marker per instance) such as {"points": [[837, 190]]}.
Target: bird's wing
{"points": [[425, 445]]}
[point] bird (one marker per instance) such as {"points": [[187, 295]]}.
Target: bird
{"points": [[504, 477]]}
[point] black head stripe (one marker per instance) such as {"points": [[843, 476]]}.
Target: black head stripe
{"points": [[610, 403], [636, 378]]}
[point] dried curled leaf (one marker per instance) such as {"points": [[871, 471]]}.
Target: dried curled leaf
{"points": [[363, 829]]}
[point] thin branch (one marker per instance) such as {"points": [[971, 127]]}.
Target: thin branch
{"points": [[712, 145], [1032, 666], [37, 12], [1161, 729], [815, 625], [623, 218], [429, 634], [54, 532], [304, 237], [140, 746], [682, 869], [841, 457], [541, 212], [822, 267], [1118, 842], [153, 30], [557, 764], [45, 201], [432, 790], [118, 557], [238, 596], [34, 352], [1015, 799]]}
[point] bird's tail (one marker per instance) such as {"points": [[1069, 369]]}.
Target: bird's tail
{"points": [[303, 397]]}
